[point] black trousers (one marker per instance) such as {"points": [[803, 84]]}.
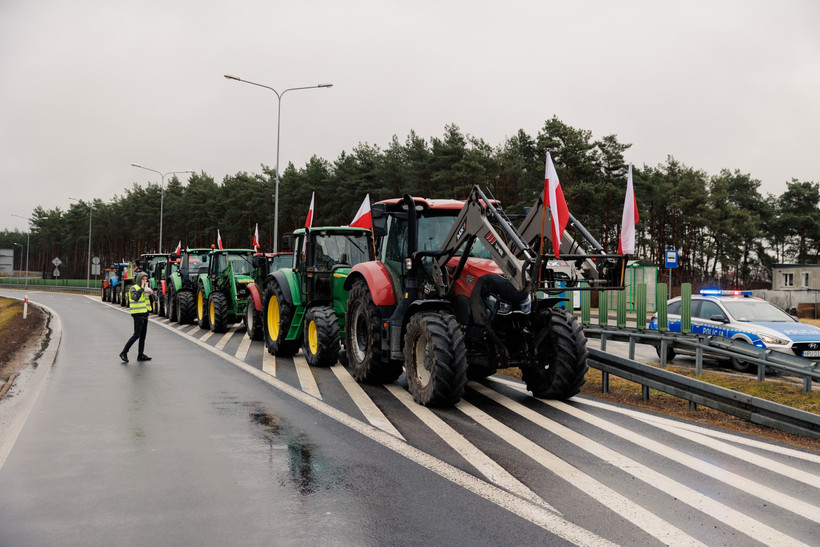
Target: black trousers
{"points": [[140, 330]]}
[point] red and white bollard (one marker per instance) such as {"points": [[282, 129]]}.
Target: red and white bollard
{"points": [[25, 306]]}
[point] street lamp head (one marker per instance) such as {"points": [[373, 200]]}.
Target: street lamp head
{"points": [[325, 85], [135, 165], [229, 77]]}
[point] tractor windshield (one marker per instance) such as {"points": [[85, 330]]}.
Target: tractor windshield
{"points": [[242, 264], [334, 249], [434, 229]]}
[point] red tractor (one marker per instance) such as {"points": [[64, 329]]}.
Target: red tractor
{"points": [[457, 292]]}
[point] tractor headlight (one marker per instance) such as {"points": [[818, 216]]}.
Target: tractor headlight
{"points": [[526, 304], [491, 302], [504, 308]]}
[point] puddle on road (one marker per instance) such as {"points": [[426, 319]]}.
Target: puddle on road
{"points": [[308, 472]]}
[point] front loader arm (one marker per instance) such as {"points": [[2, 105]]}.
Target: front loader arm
{"points": [[478, 220]]}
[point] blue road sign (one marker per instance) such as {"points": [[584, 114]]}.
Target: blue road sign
{"points": [[671, 259]]}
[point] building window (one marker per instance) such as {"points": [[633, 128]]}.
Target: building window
{"points": [[788, 280], [806, 279]]}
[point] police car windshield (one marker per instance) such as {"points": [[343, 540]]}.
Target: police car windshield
{"points": [[755, 310]]}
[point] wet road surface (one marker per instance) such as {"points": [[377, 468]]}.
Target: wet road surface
{"points": [[214, 442]]}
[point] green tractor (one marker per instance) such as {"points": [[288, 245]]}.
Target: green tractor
{"points": [[264, 264], [222, 292], [305, 304], [181, 279]]}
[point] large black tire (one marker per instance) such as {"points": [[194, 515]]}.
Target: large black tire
{"points": [[201, 307], [253, 320], [102, 294], [161, 303], [670, 352], [218, 312], [739, 364], [320, 344], [185, 307], [170, 309], [435, 359], [562, 357], [115, 290], [363, 339], [278, 315]]}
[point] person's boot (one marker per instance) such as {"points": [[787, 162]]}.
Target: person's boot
{"points": [[124, 357], [143, 357]]}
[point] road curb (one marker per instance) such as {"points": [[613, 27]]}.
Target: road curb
{"points": [[15, 412]]}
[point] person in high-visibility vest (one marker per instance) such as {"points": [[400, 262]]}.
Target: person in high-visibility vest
{"points": [[139, 300]]}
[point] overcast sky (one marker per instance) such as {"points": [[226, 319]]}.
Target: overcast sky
{"points": [[88, 87]]}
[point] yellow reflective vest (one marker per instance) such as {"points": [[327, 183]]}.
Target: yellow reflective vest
{"points": [[142, 304]]}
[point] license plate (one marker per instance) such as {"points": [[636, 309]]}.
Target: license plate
{"points": [[811, 353]]}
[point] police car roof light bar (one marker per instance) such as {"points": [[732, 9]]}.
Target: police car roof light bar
{"points": [[719, 292]]}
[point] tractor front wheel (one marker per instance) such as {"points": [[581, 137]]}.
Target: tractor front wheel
{"points": [[435, 359], [363, 339], [278, 314], [562, 358], [201, 308], [253, 321], [185, 307], [321, 337], [218, 312]]}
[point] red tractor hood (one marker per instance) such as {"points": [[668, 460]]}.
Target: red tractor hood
{"points": [[474, 269]]}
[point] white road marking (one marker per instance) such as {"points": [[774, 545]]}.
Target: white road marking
{"points": [[207, 335], [475, 457], [194, 328], [364, 403], [531, 512], [681, 492], [224, 340], [306, 379], [244, 346], [268, 363]]}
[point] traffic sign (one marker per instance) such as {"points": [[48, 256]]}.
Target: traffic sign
{"points": [[671, 259], [95, 260], [56, 272], [56, 261]]}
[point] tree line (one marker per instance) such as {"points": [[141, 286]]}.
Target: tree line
{"points": [[726, 232]]}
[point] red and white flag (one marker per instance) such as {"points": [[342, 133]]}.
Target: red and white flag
{"points": [[363, 219], [218, 239], [255, 243], [554, 199], [179, 248], [309, 220], [626, 244]]}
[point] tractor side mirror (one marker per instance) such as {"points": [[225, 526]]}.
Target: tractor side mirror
{"points": [[379, 216], [287, 243]]}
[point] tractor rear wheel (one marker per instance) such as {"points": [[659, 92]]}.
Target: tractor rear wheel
{"points": [[170, 310], [562, 358], [363, 339], [185, 307], [278, 314], [435, 359], [201, 307], [218, 312], [321, 337], [253, 320], [161, 303]]}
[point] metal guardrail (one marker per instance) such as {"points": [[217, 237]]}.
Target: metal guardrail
{"points": [[756, 410], [52, 288], [704, 346]]}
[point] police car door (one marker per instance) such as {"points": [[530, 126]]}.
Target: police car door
{"points": [[706, 316]]}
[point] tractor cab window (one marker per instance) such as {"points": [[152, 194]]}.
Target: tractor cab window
{"points": [[394, 245], [300, 258], [242, 264]]}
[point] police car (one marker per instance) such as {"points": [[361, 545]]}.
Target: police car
{"points": [[739, 316]]}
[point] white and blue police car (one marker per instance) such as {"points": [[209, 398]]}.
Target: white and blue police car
{"points": [[740, 316]]}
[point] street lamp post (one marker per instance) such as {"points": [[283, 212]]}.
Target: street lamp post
{"points": [[278, 132], [28, 241], [162, 194], [90, 212], [21, 258]]}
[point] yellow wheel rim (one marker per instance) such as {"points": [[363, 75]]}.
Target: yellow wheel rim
{"points": [[211, 312], [273, 318], [313, 338], [200, 306]]}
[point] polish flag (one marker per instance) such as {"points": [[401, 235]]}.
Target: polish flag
{"points": [[309, 220], [179, 248], [255, 243], [363, 219], [218, 239], [626, 245], [554, 199]]}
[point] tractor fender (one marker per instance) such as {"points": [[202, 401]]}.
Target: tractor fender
{"points": [[206, 284], [114, 281], [378, 280], [286, 278], [163, 287], [176, 281], [256, 294]]}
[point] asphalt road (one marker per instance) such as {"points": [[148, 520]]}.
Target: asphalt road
{"points": [[214, 442]]}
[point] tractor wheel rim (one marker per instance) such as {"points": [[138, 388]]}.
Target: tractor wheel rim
{"points": [[359, 336], [313, 338], [273, 318], [211, 312], [200, 306], [422, 373]]}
